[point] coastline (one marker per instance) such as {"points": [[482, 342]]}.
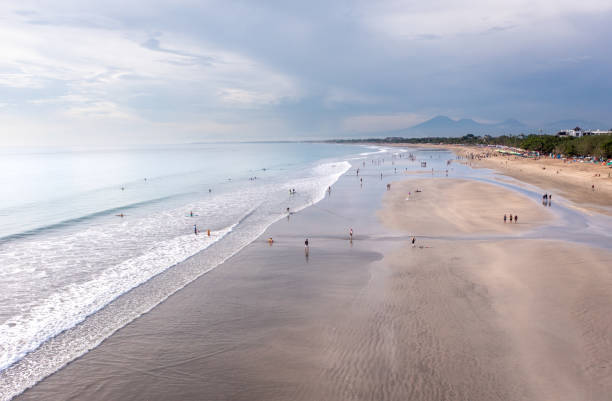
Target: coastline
{"points": [[572, 180], [480, 312]]}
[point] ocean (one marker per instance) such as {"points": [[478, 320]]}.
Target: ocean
{"points": [[91, 239]]}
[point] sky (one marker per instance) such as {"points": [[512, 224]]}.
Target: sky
{"points": [[129, 72]]}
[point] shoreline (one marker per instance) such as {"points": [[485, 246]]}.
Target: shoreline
{"points": [[129, 306], [374, 318], [572, 180]]}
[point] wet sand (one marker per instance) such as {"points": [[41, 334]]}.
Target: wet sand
{"points": [[533, 316], [474, 312]]}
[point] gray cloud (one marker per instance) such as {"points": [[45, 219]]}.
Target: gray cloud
{"points": [[309, 67]]}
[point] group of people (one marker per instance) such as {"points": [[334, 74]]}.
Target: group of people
{"points": [[196, 231], [515, 218], [547, 199]]}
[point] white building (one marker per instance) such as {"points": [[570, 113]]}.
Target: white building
{"points": [[578, 133], [599, 132], [570, 132]]}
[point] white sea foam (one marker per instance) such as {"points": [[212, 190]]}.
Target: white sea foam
{"points": [[72, 303]]}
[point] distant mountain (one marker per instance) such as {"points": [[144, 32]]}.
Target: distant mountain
{"points": [[446, 126]]}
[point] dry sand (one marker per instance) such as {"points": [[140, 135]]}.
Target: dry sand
{"points": [[572, 180], [453, 207]]}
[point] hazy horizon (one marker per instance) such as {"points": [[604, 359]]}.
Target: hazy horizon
{"points": [[79, 73]]}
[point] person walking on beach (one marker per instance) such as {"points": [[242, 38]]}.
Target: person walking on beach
{"points": [[306, 246], [351, 234], [195, 229], [413, 241], [505, 218], [510, 217], [515, 218]]}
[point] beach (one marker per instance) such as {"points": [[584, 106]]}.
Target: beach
{"points": [[477, 309], [588, 185]]}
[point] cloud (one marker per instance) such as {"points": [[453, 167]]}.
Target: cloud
{"points": [[154, 44], [289, 69], [341, 97], [241, 97], [69, 71], [380, 123], [451, 18]]}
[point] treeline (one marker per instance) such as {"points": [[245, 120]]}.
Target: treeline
{"points": [[595, 145]]}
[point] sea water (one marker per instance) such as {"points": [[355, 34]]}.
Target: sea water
{"points": [[82, 229]]}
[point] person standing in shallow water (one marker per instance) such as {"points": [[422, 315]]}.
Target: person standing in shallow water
{"points": [[413, 241]]}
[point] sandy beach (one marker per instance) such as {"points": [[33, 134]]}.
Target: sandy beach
{"points": [[573, 180], [477, 310]]}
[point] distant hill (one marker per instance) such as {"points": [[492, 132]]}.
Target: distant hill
{"points": [[446, 126]]}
